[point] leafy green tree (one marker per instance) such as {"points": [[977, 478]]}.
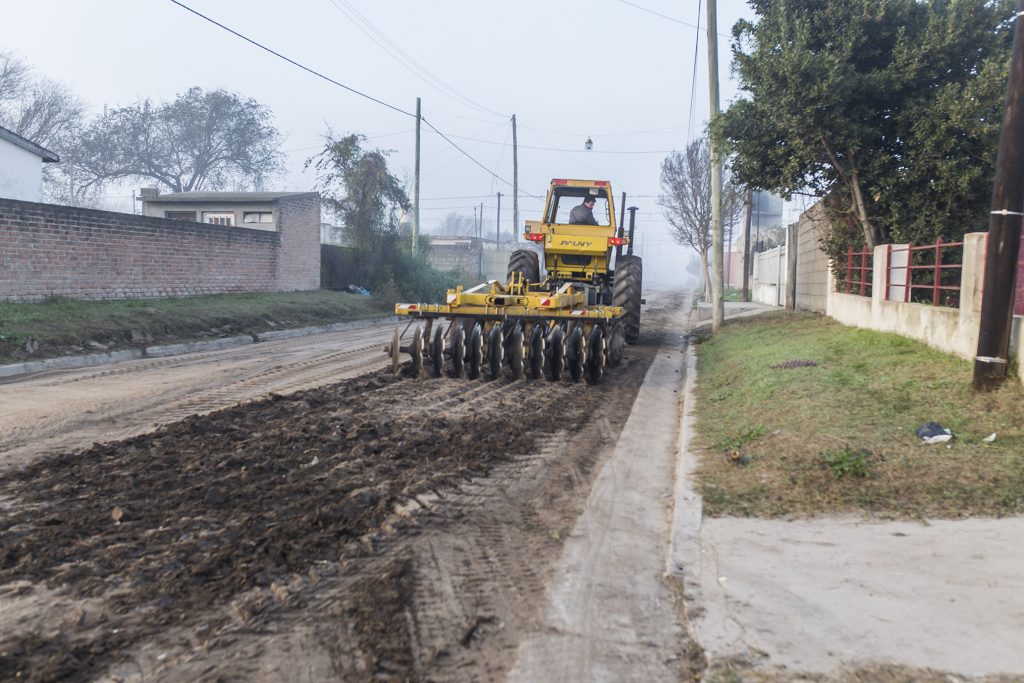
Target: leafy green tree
{"points": [[369, 201], [889, 108], [357, 186]]}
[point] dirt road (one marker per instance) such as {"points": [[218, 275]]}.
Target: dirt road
{"points": [[374, 528], [66, 410]]}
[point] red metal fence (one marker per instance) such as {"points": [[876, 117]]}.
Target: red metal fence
{"points": [[934, 273], [859, 273]]}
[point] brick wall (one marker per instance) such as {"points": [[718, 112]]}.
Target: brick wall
{"points": [[81, 253], [299, 226]]}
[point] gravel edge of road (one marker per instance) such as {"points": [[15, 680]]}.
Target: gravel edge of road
{"points": [[163, 351]]}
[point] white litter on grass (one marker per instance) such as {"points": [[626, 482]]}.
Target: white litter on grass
{"points": [[991, 438]]}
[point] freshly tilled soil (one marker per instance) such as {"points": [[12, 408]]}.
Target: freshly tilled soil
{"points": [[185, 527]]}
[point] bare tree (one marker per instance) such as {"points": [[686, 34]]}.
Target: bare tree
{"points": [[457, 224], [202, 140], [41, 110], [686, 188]]}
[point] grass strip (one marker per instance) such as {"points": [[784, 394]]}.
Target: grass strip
{"points": [[60, 325], [798, 415]]}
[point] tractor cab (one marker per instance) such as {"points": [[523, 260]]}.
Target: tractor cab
{"points": [[573, 252]]}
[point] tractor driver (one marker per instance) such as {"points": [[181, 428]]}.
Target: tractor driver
{"points": [[584, 213]]}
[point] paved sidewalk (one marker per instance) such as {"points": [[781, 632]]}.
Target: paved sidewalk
{"points": [[820, 595]]}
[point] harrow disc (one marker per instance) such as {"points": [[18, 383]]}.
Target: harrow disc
{"points": [[616, 344], [516, 351], [495, 351], [595, 355], [556, 361], [437, 352], [458, 351], [537, 347], [475, 352], [416, 351], [576, 355], [394, 350]]}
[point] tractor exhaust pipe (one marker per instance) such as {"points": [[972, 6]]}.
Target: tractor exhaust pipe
{"points": [[632, 227]]}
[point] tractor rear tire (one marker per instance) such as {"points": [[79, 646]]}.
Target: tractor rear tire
{"points": [[526, 262], [629, 272]]}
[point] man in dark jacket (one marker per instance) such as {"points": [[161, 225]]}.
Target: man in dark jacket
{"points": [[584, 213]]}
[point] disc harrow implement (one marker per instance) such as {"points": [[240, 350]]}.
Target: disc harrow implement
{"points": [[564, 310], [496, 331]]}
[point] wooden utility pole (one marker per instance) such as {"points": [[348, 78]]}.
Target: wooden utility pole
{"points": [[717, 305], [746, 245], [515, 183], [1004, 227], [416, 194], [480, 243], [497, 223]]}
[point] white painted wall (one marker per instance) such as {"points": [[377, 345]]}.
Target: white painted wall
{"points": [[769, 282], [21, 173]]}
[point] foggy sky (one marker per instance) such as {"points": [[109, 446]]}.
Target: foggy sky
{"points": [[568, 70]]}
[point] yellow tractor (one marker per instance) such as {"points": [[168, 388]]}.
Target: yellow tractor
{"points": [[576, 315]]}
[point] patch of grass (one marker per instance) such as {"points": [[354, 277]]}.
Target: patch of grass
{"points": [[838, 437], [740, 439], [62, 325], [852, 462]]}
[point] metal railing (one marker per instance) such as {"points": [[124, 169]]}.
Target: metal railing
{"points": [[933, 272], [859, 273]]}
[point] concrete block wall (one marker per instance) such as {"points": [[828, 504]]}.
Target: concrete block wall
{"points": [[454, 259], [57, 250], [811, 262]]}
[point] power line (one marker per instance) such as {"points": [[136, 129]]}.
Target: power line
{"points": [[416, 68], [339, 84], [665, 16], [292, 61], [693, 78], [659, 14]]}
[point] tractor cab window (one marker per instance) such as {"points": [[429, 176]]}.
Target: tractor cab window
{"points": [[566, 198]]}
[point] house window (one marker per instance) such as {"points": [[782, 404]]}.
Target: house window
{"points": [[258, 217], [219, 217], [181, 215]]}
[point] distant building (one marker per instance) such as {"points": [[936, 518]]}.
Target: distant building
{"points": [[765, 215], [256, 210], [21, 167]]}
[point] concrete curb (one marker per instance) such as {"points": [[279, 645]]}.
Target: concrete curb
{"points": [[69, 362], [683, 557], [192, 347], [166, 350]]}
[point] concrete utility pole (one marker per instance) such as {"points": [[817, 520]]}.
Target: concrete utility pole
{"points": [[497, 223], [480, 243], [515, 183], [746, 245], [1004, 227], [717, 305], [416, 194]]}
